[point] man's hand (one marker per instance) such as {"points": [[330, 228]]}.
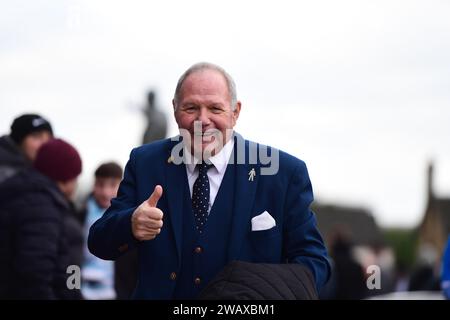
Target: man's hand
{"points": [[146, 221]]}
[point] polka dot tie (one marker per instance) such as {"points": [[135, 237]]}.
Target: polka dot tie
{"points": [[200, 197]]}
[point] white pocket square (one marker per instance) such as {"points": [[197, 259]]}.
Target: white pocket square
{"points": [[264, 221]]}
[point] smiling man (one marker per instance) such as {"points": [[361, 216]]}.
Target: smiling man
{"points": [[190, 213], [206, 108]]}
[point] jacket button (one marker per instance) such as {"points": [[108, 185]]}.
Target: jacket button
{"points": [[173, 276], [198, 250], [197, 281]]}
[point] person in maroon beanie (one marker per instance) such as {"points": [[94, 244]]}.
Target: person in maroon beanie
{"points": [[38, 233]]}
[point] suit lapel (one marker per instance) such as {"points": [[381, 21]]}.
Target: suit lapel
{"points": [[176, 180], [244, 197]]}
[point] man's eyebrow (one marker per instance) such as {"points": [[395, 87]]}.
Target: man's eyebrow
{"points": [[189, 104]]}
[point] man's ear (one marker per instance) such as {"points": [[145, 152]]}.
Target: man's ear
{"points": [[236, 112], [174, 105]]}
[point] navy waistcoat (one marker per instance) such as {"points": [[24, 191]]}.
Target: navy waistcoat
{"points": [[204, 255]]}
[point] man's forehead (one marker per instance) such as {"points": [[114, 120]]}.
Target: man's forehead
{"points": [[205, 81], [205, 99]]}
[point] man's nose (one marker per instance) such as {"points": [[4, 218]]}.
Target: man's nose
{"points": [[203, 116]]}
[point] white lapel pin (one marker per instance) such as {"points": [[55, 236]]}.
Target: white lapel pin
{"points": [[251, 174], [170, 159]]}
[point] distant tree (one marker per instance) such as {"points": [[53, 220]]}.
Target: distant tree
{"points": [[404, 244]]}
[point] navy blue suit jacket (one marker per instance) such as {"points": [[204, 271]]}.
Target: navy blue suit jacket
{"points": [[286, 195]]}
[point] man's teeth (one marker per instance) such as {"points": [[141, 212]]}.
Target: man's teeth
{"points": [[203, 134]]}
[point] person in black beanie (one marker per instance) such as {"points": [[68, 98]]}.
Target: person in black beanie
{"points": [[18, 149], [39, 237]]}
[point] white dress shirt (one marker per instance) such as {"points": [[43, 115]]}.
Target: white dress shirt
{"points": [[215, 174]]}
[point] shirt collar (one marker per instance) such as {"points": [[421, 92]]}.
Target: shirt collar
{"points": [[219, 160]]}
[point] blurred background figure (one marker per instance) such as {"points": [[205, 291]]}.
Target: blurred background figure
{"points": [[445, 273], [425, 273], [39, 236], [348, 277], [156, 121], [98, 274], [19, 148]]}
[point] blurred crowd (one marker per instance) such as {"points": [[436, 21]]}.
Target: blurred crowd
{"points": [[42, 232], [362, 272]]}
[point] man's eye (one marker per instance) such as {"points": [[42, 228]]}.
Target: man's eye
{"points": [[189, 108]]}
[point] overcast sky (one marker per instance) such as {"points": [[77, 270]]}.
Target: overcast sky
{"points": [[357, 89]]}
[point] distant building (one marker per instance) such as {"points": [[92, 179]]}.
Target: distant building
{"points": [[435, 226], [358, 223]]}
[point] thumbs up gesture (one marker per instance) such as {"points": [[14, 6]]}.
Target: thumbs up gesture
{"points": [[146, 221]]}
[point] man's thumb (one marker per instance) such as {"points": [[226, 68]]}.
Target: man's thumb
{"points": [[153, 199]]}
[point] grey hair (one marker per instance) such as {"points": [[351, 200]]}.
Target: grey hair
{"points": [[208, 66]]}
